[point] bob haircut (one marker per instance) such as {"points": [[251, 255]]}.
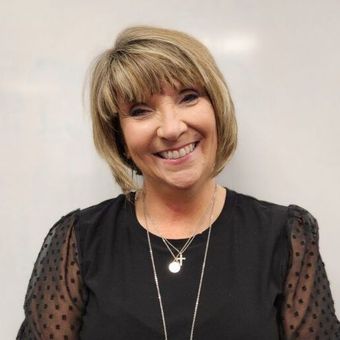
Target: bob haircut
{"points": [[142, 60]]}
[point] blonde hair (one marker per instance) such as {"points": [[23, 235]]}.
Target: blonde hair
{"points": [[142, 60]]}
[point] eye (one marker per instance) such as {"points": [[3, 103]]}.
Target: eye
{"points": [[139, 111], [189, 96]]}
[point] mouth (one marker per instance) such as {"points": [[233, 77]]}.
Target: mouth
{"points": [[178, 153]]}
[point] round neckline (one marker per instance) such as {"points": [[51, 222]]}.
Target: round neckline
{"points": [[226, 210]]}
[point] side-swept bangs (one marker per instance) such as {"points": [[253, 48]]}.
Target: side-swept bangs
{"points": [[137, 71]]}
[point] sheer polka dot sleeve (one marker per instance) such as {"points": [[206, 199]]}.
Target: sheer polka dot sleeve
{"points": [[308, 310], [55, 297]]}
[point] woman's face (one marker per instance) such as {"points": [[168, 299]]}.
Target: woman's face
{"points": [[171, 137]]}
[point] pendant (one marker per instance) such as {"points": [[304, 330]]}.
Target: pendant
{"points": [[176, 264], [174, 267]]}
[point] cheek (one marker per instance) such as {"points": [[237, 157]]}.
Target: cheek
{"points": [[136, 140], [213, 134], [133, 146], [129, 134], [210, 124]]}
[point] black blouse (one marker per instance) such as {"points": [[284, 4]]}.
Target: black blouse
{"points": [[264, 278]]}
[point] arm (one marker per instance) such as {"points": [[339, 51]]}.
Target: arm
{"points": [[308, 308], [55, 298]]}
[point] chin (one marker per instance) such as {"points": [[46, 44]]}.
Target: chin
{"points": [[185, 182]]}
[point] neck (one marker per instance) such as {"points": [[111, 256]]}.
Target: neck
{"points": [[176, 212], [178, 201]]}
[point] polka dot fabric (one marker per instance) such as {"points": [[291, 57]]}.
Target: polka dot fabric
{"points": [[56, 296], [308, 310], [54, 301]]}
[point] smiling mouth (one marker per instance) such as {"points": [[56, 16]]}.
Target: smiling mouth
{"points": [[175, 154]]}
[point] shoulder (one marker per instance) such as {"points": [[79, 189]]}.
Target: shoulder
{"points": [[97, 222], [91, 226], [290, 211], [89, 217], [302, 225], [92, 211], [301, 215], [257, 203], [99, 210], [259, 209], [289, 217]]}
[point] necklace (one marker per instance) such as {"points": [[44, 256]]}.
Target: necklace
{"points": [[177, 260], [200, 281]]}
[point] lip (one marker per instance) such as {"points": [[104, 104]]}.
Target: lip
{"points": [[176, 148], [181, 160]]}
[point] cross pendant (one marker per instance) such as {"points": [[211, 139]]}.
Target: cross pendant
{"points": [[180, 258]]}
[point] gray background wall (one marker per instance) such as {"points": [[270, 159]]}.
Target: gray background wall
{"points": [[280, 58]]}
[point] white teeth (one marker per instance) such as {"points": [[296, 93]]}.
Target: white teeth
{"points": [[178, 153], [175, 154], [182, 152]]}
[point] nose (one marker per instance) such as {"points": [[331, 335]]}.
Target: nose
{"points": [[171, 126]]}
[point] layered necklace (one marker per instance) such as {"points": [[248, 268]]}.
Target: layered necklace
{"points": [[179, 259]]}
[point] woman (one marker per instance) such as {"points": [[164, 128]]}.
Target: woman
{"points": [[180, 257]]}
